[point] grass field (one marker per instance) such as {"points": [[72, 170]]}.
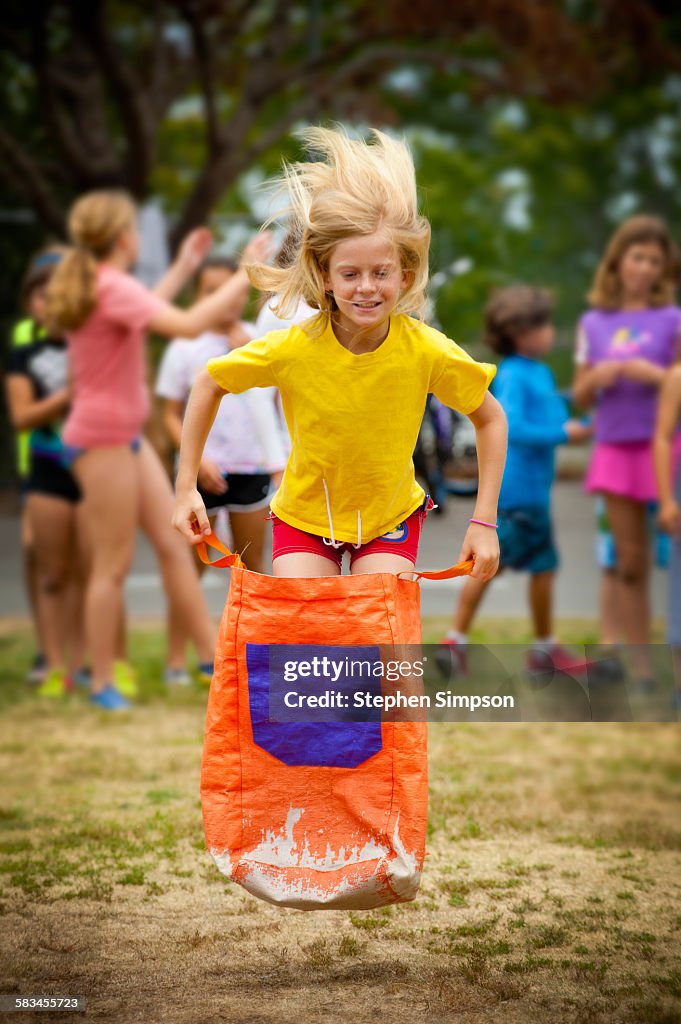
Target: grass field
{"points": [[552, 888]]}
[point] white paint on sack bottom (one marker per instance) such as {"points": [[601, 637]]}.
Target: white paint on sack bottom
{"points": [[402, 870], [268, 865], [222, 861], [282, 851]]}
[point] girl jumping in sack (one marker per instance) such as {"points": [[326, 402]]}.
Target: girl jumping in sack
{"points": [[354, 378]]}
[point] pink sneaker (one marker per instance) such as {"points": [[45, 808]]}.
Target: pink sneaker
{"points": [[451, 658], [557, 658]]}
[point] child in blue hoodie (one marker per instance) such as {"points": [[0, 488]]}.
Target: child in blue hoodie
{"points": [[519, 328]]}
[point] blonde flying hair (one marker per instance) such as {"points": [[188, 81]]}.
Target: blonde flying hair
{"points": [[606, 290], [95, 222], [356, 189]]}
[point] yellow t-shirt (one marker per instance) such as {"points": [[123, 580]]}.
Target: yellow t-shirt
{"points": [[353, 419]]}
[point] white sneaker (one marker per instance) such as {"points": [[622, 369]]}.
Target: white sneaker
{"points": [[177, 677]]}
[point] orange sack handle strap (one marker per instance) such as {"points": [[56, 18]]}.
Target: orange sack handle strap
{"points": [[460, 569], [231, 559]]}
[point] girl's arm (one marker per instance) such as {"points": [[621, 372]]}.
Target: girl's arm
{"points": [[190, 516], [645, 372], [173, 416], [481, 542], [667, 422], [223, 304], [208, 476], [589, 380], [191, 254], [25, 411], [650, 373]]}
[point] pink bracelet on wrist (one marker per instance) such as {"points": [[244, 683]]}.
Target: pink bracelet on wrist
{"points": [[481, 522]]}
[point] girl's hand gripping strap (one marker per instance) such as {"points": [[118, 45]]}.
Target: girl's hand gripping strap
{"points": [[461, 569], [231, 560]]}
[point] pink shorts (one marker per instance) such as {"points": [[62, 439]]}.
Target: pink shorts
{"points": [[403, 540], [626, 469]]}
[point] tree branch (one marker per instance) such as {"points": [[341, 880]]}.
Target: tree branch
{"points": [[205, 70], [76, 155], [158, 60], [24, 175], [318, 89], [88, 20]]}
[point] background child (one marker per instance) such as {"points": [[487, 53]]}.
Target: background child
{"points": [[668, 473], [26, 332], [38, 399], [625, 345], [518, 327], [105, 313], [243, 448], [354, 380]]}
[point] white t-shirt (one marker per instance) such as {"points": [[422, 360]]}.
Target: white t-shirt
{"points": [[246, 436], [267, 320]]}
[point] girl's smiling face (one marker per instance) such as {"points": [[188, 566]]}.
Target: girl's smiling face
{"points": [[366, 280], [640, 268]]}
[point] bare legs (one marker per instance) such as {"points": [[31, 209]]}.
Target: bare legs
{"points": [[31, 577], [180, 578], [468, 604], [52, 524], [541, 603], [304, 563], [177, 632], [628, 523], [609, 612], [110, 481], [540, 593], [121, 488], [248, 532]]}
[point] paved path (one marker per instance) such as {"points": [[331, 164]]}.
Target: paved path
{"points": [[576, 590]]}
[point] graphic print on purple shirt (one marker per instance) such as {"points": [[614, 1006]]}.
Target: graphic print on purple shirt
{"points": [[626, 412]]}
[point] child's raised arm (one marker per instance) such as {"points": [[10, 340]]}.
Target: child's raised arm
{"points": [[667, 422], [190, 255], [189, 516], [481, 542], [227, 301]]}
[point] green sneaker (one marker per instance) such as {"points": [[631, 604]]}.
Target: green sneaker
{"points": [[125, 679], [204, 672], [56, 684]]}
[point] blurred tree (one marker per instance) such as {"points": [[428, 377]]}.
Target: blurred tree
{"points": [[519, 190], [87, 85]]}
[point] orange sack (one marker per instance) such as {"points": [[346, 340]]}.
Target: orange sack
{"points": [[312, 815]]}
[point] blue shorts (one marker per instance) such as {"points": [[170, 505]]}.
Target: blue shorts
{"points": [[70, 452], [526, 539]]}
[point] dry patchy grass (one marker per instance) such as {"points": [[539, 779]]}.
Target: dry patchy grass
{"points": [[551, 889]]}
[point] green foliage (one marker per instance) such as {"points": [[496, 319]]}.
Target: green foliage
{"points": [[526, 191]]}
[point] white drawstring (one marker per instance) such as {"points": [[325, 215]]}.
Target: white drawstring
{"points": [[331, 541], [359, 530]]}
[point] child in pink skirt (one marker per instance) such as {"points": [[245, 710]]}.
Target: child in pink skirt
{"points": [[625, 346]]}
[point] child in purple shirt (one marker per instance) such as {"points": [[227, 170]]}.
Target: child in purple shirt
{"points": [[625, 347]]}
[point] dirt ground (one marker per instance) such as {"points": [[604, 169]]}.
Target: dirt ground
{"points": [[551, 890]]}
